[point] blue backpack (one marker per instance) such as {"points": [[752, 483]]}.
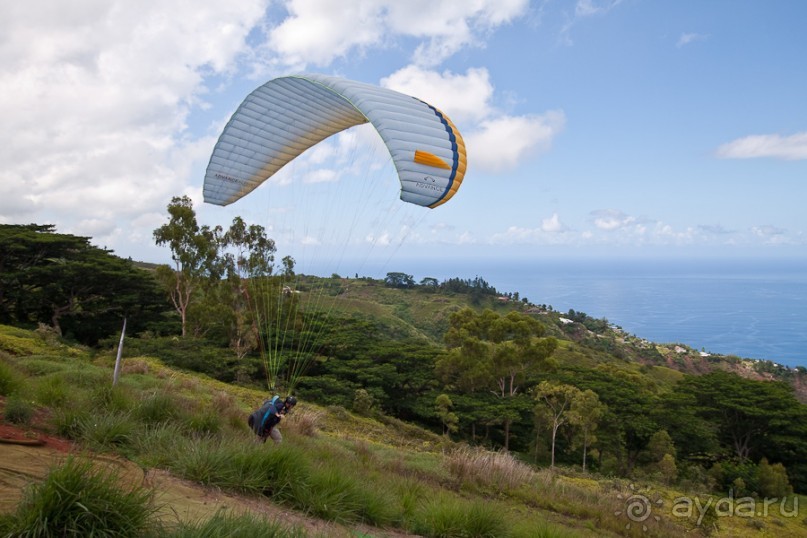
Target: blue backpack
{"points": [[258, 419]]}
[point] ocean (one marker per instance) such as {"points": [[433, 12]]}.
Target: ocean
{"points": [[748, 308]]}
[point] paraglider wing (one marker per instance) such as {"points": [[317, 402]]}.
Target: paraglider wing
{"points": [[284, 117]]}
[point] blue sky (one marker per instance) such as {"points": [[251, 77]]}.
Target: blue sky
{"points": [[594, 128]]}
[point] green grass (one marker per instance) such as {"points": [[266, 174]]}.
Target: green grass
{"points": [[158, 408], [53, 391], [235, 526], [446, 516], [332, 465], [10, 380], [108, 431], [78, 499]]}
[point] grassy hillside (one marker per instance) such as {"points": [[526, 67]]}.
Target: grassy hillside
{"points": [[585, 341], [335, 474]]}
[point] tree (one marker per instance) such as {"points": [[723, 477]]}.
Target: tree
{"points": [[628, 421], [21, 248], [399, 280], [449, 419], [772, 480], [195, 252], [748, 412], [63, 280], [489, 352], [660, 444], [553, 407], [668, 468], [586, 412], [250, 256]]}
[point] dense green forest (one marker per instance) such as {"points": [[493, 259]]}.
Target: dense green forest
{"points": [[458, 357]]}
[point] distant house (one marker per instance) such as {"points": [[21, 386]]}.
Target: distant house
{"points": [[565, 321]]}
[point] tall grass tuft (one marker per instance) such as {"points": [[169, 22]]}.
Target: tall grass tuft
{"points": [[379, 505], [10, 382], [19, 410], [109, 398], [305, 422], [106, 431], [207, 422], [157, 408], [446, 516], [481, 467], [53, 391], [68, 422], [205, 461], [270, 471], [86, 376], [158, 446], [329, 494], [410, 493], [232, 526], [78, 499]]}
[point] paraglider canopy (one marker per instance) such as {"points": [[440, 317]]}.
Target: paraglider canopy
{"points": [[287, 115]]}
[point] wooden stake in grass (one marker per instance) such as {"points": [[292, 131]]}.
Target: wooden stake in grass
{"points": [[116, 375]]}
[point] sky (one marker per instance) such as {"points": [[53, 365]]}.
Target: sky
{"points": [[594, 128]]}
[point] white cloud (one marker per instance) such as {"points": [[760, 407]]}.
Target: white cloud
{"points": [[94, 106], [611, 219], [382, 239], [552, 224], [793, 147], [463, 97], [319, 31], [588, 8], [584, 9], [551, 231], [688, 38], [501, 143], [714, 229]]}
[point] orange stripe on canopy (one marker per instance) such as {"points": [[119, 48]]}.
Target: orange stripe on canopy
{"points": [[430, 159]]}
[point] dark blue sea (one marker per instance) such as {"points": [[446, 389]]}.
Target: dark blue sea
{"points": [[748, 308]]}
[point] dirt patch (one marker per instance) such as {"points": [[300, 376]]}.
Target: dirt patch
{"points": [[13, 435]]}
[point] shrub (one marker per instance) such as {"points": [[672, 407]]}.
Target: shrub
{"points": [[19, 411], [772, 480], [363, 402], [78, 499]]}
